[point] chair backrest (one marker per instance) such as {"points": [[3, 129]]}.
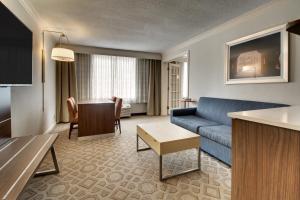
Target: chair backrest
{"points": [[74, 102], [71, 108], [118, 107], [114, 98]]}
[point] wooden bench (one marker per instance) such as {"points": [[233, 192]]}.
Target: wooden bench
{"points": [[19, 160]]}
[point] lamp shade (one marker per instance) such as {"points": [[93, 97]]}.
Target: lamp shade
{"points": [[62, 54]]}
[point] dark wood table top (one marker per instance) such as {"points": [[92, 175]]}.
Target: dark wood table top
{"points": [[19, 160]]}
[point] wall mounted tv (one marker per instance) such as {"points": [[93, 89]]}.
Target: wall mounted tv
{"points": [[15, 50]]}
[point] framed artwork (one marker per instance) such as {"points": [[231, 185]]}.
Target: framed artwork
{"points": [[258, 58]]}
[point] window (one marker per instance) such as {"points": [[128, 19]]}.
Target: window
{"points": [[113, 76], [185, 77]]}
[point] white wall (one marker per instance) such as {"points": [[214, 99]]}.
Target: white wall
{"points": [[27, 115], [207, 56]]}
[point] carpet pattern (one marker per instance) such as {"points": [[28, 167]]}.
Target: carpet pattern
{"points": [[110, 168]]}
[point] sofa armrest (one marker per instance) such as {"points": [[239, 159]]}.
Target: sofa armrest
{"points": [[183, 111]]}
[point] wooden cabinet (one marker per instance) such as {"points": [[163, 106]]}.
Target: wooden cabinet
{"points": [[266, 155]]}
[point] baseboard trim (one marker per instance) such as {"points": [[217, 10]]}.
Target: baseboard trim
{"points": [[50, 129]]}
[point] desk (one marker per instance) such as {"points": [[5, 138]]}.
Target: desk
{"points": [[96, 117], [266, 154], [20, 158]]}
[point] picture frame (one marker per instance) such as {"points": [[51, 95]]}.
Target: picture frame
{"points": [[258, 58]]}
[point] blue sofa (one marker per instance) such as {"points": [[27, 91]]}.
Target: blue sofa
{"points": [[209, 119]]}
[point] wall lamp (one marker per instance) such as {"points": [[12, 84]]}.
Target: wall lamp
{"points": [[62, 54], [58, 53]]}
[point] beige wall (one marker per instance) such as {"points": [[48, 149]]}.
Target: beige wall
{"points": [[27, 115], [207, 56]]}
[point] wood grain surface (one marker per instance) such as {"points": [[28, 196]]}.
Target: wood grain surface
{"points": [[19, 161], [166, 138], [266, 162], [96, 118]]}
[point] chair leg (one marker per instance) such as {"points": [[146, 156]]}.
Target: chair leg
{"points": [[71, 128], [119, 123], [116, 124]]}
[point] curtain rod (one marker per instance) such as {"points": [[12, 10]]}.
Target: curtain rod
{"points": [[113, 52]]}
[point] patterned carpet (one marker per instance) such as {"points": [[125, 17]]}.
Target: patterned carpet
{"points": [[110, 168]]}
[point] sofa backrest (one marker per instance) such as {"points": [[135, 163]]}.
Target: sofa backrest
{"points": [[216, 109]]}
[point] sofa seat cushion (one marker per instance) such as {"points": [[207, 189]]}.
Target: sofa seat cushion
{"points": [[192, 122], [220, 134]]}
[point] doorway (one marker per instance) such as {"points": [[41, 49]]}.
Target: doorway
{"points": [[177, 81]]}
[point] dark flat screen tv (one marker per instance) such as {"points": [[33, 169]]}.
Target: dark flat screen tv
{"points": [[15, 50]]}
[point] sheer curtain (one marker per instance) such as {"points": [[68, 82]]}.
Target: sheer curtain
{"points": [[113, 76], [84, 71], [134, 80]]}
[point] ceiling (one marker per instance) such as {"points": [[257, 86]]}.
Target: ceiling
{"points": [[141, 25]]}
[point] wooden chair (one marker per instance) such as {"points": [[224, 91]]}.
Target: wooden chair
{"points": [[114, 99], [74, 102], [73, 114], [118, 107]]}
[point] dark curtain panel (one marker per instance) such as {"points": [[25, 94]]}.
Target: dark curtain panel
{"points": [[142, 80], [65, 87], [154, 88]]}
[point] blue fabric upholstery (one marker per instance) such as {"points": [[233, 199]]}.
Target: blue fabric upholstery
{"points": [[220, 134], [183, 111], [217, 109], [217, 150], [193, 124], [210, 120]]}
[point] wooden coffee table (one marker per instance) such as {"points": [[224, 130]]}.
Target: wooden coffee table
{"points": [[166, 138]]}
